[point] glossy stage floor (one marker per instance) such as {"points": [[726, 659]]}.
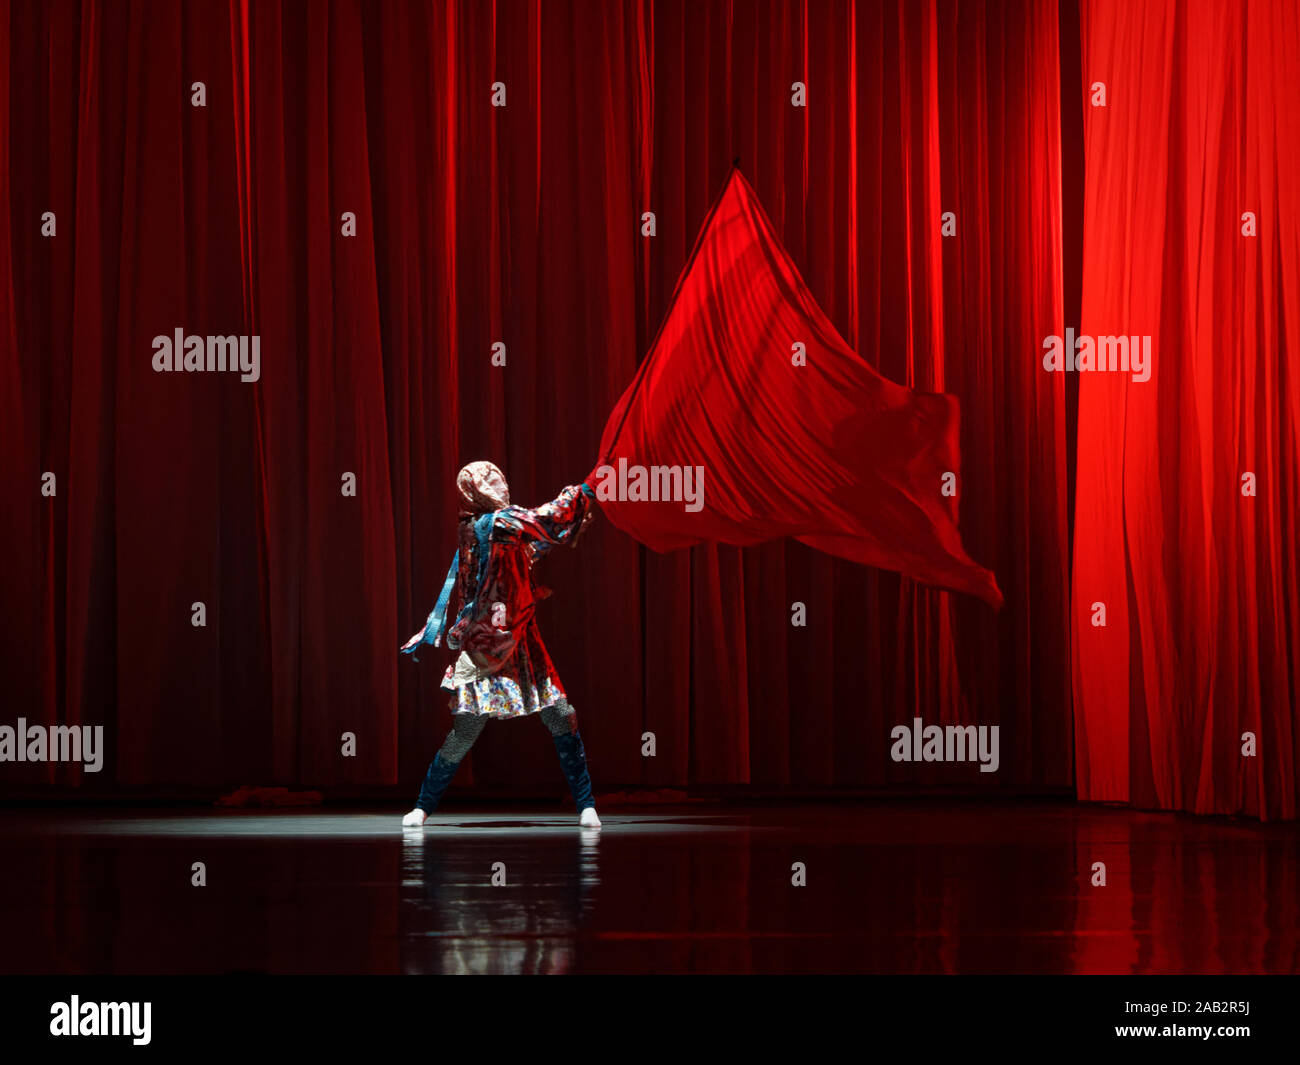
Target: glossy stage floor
{"points": [[891, 887]]}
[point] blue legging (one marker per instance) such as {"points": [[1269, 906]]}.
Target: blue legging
{"points": [[562, 721]]}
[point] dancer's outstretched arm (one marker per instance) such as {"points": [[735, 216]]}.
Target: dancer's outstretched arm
{"points": [[557, 522]]}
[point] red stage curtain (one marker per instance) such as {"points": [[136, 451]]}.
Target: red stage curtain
{"points": [[521, 225], [1198, 580]]}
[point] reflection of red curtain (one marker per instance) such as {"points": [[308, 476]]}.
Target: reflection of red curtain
{"points": [[1199, 581], [520, 225]]}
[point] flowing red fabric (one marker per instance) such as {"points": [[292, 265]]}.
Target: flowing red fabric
{"points": [[1189, 484], [792, 434]]}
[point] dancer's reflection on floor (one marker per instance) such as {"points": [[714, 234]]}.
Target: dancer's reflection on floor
{"points": [[488, 906]]}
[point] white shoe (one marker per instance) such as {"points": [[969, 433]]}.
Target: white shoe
{"points": [[589, 818], [414, 819]]}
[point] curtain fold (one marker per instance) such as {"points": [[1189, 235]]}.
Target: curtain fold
{"points": [[435, 279], [1188, 483]]}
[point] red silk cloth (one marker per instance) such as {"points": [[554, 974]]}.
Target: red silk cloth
{"points": [[810, 442]]}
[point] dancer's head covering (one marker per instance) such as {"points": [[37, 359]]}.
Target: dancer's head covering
{"points": [[482, 488]]}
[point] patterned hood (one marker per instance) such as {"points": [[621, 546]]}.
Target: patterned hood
{"points": [[482, 487]]}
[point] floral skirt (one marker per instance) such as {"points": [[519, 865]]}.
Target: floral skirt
{"points": [[526, 684]]}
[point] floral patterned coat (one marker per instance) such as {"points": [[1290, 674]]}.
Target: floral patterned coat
{"points": [[503, 669]]}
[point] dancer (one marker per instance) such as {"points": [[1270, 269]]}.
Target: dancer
{"points": [[503, 669]]}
